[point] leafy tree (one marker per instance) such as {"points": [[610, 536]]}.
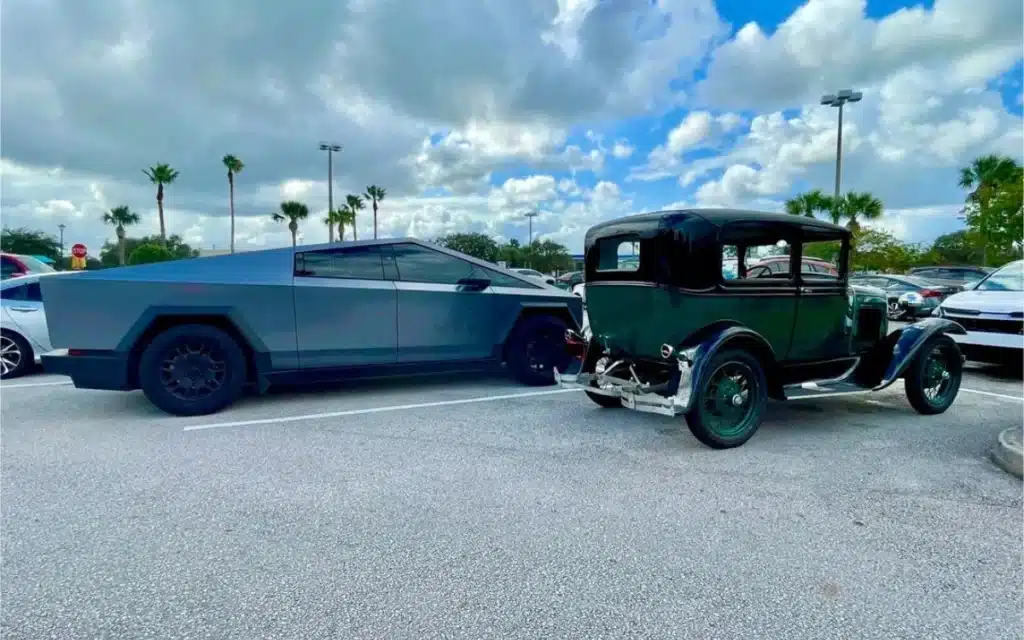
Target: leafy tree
{"points": [[478, 245], [119, 218], [148, 253], [109, 253], [959, 247], [512, 253], [234, 167], [161, 175], [375, 194], [293, 212], [809, 204], [547, 256], [879, 250], [993, 206], [30, 242], [355, 205]]}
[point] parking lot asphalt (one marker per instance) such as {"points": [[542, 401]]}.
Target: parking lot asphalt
{"points": [[473, 507]]}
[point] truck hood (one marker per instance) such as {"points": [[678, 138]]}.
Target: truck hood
{"points": [[986, 301]]}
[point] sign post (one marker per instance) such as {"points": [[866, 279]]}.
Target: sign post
{"points": [[79, 255]]}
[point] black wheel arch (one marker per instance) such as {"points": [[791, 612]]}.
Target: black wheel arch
{"points": [[730, 334], [157, 320], [527, 311]]}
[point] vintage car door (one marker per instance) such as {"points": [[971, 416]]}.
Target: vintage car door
{"points": [[822, 327], [439, 319], [346, 312]]}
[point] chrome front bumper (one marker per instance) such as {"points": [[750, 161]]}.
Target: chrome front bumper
{"points": [[633, 393]]}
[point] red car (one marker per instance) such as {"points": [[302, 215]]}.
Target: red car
{"points": [[13, 265], [780, 264]]}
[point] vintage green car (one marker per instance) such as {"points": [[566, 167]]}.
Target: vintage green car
{"points": [[672, 335]]}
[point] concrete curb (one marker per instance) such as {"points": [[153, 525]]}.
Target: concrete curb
{"points": [[1009, 451]]}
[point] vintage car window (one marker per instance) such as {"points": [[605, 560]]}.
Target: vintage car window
{"points": [[357, 263], [821, 251], [616, 253]]}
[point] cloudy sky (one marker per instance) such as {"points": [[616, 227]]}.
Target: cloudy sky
{"points": [[473, 112]]}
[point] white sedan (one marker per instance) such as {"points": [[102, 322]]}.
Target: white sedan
{"points": [[24, 336], [993, 314]]}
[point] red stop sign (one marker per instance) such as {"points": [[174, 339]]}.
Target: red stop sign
{"points": [[79, 250]]}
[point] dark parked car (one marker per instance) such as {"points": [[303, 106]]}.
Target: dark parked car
{"points": [[193, 333], [956, 276], [908, 296], [672, 336], [569, 280]]}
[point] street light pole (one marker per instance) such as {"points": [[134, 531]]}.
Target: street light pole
{"points": [[330, 149], [62, 227], [530, 215], [838, 100]]}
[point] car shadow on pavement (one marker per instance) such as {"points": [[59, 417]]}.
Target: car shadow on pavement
{"points": [[1002, 372]]}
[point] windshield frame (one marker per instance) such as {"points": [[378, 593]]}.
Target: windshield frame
{"points": [[1016, 265]]}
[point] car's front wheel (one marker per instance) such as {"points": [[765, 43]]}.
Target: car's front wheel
{"points": [[536, 348], [192, 370], [16, 357], [730, 401], [932, 379]]}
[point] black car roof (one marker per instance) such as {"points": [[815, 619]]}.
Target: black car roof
{"points": [[718, 217]]}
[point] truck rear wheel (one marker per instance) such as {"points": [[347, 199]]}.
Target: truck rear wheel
{"points": [[535, 348], [192, 370]]}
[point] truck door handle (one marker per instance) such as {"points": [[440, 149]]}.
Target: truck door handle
{"points": [[23, 309]]}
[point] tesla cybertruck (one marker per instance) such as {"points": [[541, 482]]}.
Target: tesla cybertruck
{"points": [[193, 334]]}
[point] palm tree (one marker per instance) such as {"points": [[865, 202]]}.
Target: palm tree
{"points": [[346, 216], [119, 218], [375, 195], [292, 211], [854, 207], [808, 204], [333, 218], [355, 204], [161, 174], [984, 176], [234, 167]]}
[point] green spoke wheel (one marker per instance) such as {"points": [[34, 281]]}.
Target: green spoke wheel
{"points": [[932, 379], [730, 401]]}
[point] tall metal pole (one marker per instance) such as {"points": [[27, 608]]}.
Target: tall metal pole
{"points": [[839, 153], [530, 216], [839, 99], [62, 227], [330, 149]]}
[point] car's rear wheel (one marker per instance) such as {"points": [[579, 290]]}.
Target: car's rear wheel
{"points": [[536, 348], [730, 401], [932, 379], [192, 370], [16, 357]]}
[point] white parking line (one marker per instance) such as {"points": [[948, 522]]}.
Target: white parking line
{"points": [[8, 385], [384, 409], [994, 395]]}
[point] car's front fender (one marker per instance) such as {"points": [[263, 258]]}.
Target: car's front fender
{"points": [[908, 343]]}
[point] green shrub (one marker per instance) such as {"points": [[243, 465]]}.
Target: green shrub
{"points": [[148, 253]]}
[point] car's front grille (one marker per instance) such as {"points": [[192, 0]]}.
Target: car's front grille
{"points": [[990, 325], [869, 324]]}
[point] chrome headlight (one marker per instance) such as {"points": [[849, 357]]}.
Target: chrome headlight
{"points": [[911, 299]]}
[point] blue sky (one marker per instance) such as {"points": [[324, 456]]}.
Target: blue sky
{"points": [[505, 108]]}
